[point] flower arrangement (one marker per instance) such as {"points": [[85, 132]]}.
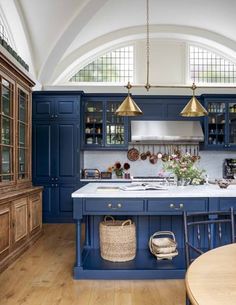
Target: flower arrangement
{"points": [[185, 169], [118, 169]]}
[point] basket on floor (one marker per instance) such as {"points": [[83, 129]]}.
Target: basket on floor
{"points": [[163, 247], [117, 239]]}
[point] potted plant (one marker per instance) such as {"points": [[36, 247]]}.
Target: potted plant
{"points": [[184, 166]]}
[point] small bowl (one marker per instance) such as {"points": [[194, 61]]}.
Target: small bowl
{"points": [[223, 183]]}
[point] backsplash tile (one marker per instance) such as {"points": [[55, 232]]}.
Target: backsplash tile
{"points": [[211, 161]]}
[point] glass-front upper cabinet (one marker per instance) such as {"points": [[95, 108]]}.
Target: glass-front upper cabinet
{"points": [[93, 123], [6, 131], [115, 126], [23, 138], [216, 123], [220, 127], [103, 129], [232, 123]]}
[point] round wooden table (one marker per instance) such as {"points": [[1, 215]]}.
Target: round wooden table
{"points": [[211, 278]]}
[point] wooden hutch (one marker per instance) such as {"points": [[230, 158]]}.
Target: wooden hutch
{"points": [[20, 202]]}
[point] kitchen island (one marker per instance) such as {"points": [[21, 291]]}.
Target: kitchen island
{"points": [[151, 210]]}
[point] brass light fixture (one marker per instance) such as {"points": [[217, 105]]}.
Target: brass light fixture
{"points": [[130, 108], [194, 107]]}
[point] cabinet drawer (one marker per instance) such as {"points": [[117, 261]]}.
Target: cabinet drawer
{"points": [[35, 197], [113, 205], [226, 203], [177, 205]]}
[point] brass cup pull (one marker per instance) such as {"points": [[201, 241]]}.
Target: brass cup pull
{"points": [[118, 206], [173, 206]]}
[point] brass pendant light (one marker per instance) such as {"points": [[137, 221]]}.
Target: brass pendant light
{"points": [[194, 107], [128, 106]]}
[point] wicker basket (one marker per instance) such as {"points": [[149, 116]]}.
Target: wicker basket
{"points": [[163, 247], [117, 239]]}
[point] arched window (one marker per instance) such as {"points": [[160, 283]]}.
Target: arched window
{"points": [[208, 67], [116, 66]]}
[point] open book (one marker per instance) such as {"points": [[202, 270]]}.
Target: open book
{"points": [[142, 187]]}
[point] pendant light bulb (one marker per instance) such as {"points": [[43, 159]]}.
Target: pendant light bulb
{"points": [[194, 108]]}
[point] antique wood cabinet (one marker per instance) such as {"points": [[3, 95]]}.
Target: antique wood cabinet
{"points": [[20, 202]]}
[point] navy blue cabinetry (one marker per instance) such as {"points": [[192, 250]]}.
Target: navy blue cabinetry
{"points": [[103, 130], [56, 156], [220, 124]]}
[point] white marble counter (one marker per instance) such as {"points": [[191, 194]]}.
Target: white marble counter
{"points": [[90, 191], [106, 180]]}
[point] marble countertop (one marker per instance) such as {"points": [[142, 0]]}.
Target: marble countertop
{"points": [[106, 180], [90, 191]]}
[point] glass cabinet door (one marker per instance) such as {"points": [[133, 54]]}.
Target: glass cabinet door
{"points": [[23, 139], [6, 131], [93, 121], [216, 123], [232, 123], [115, 129]]}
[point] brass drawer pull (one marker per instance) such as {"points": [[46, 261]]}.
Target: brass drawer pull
{"points": [[173, 206], [118, 206]]}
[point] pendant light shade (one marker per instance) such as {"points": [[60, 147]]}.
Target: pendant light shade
{"points": [[194, 107], [129, 107]]}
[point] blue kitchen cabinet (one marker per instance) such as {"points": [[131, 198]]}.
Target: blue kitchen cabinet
{"points": [[149, 215], [102, 128], [49, 105], [56, 153], [220, 124]]}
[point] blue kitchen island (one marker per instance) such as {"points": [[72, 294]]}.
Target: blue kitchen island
{"points": [[153, 210]]}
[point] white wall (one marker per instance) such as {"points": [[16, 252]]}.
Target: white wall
{"points": [[211, 161]]}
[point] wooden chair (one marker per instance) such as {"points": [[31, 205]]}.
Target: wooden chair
{"points": [[206, 230]]}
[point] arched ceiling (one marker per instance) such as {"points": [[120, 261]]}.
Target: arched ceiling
{"points": [[55, 33]]}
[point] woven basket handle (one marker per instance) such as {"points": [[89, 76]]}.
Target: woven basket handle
{"points": [[128, 221], [164, 233], [109, 217]]}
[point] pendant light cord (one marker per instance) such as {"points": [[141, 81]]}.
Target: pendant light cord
{"points": [[147, 45]]}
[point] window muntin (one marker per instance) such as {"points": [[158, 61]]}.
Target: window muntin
{"points": [[208, 67], [116, 66]]}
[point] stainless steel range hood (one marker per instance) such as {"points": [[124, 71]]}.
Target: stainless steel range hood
{"points": [[151, 132]]}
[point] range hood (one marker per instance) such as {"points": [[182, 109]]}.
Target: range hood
{"points": [[151, 132]]}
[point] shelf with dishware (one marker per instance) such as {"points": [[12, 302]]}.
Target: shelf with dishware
{"points": [[220, 124], [102, 128]]}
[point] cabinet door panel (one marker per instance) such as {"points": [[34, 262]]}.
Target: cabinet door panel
{"points": [[4, 231], [65, 200], [67, 107], [65, 154], [35, 207], [43, 108], [42, 135], [20, 219]]}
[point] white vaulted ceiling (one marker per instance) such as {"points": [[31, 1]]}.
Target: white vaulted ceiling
{"points": [[51, 35]]}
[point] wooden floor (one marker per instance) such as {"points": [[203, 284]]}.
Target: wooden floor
{"points": [[43, 276]]}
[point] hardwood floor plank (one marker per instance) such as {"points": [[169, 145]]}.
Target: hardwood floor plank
{"points": [[43, 276]]}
